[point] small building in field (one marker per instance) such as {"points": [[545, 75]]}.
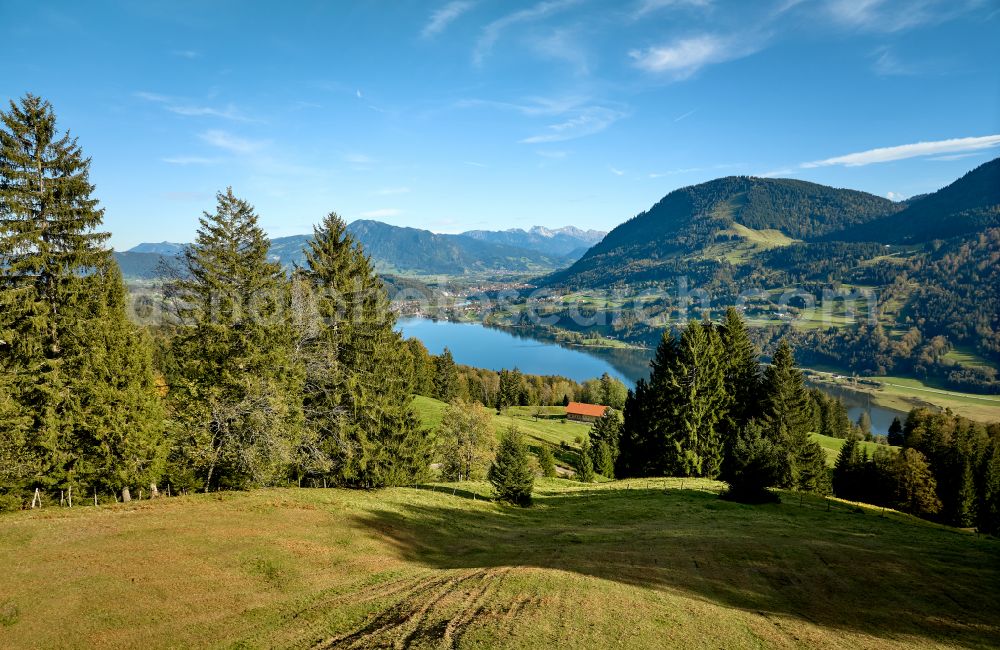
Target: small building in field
{"points": [[580, 412]]}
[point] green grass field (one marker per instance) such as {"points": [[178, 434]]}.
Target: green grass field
{"points": [[905, 393], [551, 429], [657, 563], [832, 446]]}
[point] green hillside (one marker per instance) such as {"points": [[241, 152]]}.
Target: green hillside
{"points": [[693, 218], [970, 204], [651, 563]]}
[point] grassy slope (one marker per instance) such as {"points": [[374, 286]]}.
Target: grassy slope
{"points": [[832, 446], [551, 429], [905, 393], [661, 564]]}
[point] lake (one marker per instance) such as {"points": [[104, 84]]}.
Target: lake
{"points": [[474, 344]]}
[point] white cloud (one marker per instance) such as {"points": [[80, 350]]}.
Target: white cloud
{"points": [[190, 160], [233, 143], [472, 163], [555, 155], [894, 196], [584, 121], [358, 159], [901, 152], [778, 173], [444, 16], [684, 57], [388, 191], [685, 115], [381, 213], [648, 6], [186, 54], [616, 171], [896, 15], [187, 109], [492, 32]]}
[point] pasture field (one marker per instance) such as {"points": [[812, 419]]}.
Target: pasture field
{"points": [[832, 446], [650, 563]]}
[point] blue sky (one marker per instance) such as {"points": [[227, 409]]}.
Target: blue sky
{"points": [[494, 114]]}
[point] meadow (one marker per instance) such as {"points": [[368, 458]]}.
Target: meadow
{"points": [[647, 563]]}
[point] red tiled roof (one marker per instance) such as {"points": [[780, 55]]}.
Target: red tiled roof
{"points": [[579, 408]]}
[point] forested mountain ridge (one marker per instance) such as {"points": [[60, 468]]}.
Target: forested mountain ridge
{"points": [[693, 219], [927, 269], [969, 205], [393, 249]]}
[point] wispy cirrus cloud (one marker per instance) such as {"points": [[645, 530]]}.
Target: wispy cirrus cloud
{"points": [[896, 15], [581, 116], [186, 108], [186, 54], [445, 16], [190, 160], [902, 152], [494, 30], [232, 143], [584, 121], [645, 7], [682, 58], [389, 191]]}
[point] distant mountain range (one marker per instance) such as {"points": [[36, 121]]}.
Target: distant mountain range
{"points": [[400, 250], [568, 241]]}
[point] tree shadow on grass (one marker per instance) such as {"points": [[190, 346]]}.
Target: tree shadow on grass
{"points": [[840, 569]]}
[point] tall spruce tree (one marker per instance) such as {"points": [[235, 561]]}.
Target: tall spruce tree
{"points": [[79, 378], [360, 374], [238, 393], [636, 445], [445, 377], [510, 474], [787, 411], [694, 401], [741, 380]]}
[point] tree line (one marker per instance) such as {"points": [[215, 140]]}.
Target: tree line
{"points": [[438, 376], [262, 377], [947, 470]]}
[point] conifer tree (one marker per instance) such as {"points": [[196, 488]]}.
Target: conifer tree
{"points": [[741, 381], [510, 474], [988, 503], [547, 462], [63, 319], [846, 471], [756, 466], [445, 377], [695, 400], [585, 463], [238, 397], [895, 433], [359, 371], [605, 435], [603, 459], [787, 410], [638, 443]]}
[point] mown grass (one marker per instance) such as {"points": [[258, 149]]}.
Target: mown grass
{"points": [[550, 429], [657, 563], [832, 446], [905, 393]]}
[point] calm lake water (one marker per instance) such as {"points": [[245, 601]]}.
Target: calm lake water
{"points": [[476, 345]]}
